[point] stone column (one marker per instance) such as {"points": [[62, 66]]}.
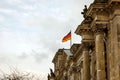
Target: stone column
{"points": [[86, 62], [100, 54], [93, 65], [81, 71]]}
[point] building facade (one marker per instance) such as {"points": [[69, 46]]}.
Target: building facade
{"points": [[98, 55]]}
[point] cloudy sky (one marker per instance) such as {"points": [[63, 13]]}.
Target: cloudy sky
{"points": [[31, 31]]}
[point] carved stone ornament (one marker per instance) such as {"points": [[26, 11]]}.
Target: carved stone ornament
{"points": [[88, 19], [99, 28], [48, 76], [51, 72], [100, 1]]}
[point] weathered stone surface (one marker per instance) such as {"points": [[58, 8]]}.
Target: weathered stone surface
{"points": [[100, 1], [98, 55]]}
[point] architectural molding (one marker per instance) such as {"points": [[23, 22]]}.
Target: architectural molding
{"points": [[100, 1], [97, 56], [99, 28]]}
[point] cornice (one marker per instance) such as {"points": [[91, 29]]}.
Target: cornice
{"points": [[99, 28], [113, 9], [84, 26], [99, 22], [85, 31], [104, 12], [99, 13], [113, 1], [100, 1], [95, 8], [82, 29]]}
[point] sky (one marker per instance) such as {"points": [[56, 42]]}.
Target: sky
{"points": [[31, 31]]}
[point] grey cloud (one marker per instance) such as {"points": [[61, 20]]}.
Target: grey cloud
{"points": [[51, 14], [47, 20], [23, 56], [39, 57], [15, 8], [7, 58], [50, 44], [3, 59]]}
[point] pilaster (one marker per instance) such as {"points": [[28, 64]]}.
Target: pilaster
{"points": [[86, 61], [100, 51], [93, 66]]}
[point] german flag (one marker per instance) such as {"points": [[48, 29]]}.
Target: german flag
{"points": [[67, 37]]}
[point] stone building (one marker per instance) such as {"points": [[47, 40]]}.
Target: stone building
{"points": [[98, 55]]}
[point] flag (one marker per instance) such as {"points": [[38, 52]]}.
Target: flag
{"points": [[67, 37]]}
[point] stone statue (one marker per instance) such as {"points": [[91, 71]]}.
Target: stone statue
{"points": [[100, 1], [52, 73], [84, 11], [48, 77], [51, 70], [87, 18]]}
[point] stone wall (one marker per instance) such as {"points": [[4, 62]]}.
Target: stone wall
{"points": [[97, 57]]}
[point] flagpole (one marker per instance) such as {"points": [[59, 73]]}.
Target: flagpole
{"points": [[71, 39]]}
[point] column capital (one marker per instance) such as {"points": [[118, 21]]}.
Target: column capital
{"points": [[86, 46], [83, 29], [86, 33], [99, 28]]}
